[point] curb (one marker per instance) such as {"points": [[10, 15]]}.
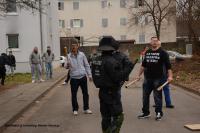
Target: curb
{"points": [[187, 89], [13, 119]]}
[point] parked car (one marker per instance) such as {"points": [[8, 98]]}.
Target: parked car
{"points": [[62, 60], [173, 55]]}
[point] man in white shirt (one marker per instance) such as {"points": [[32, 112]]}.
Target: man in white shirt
{"points": [[79, 70]]}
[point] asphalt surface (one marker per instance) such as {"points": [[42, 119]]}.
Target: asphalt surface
{"points": [[53, 113]]}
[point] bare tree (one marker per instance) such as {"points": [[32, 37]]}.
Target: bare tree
{"points": [[12, 5], [155, 10], [188, 12], [188, 15]]}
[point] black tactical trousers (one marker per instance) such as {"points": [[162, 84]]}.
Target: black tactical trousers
{"points": [[111, 111]]}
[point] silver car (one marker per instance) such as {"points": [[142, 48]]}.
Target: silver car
{"points": [[173, 55]]}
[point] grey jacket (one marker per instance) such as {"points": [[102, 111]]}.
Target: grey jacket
{"points": [[34, 58], [48, 58]]}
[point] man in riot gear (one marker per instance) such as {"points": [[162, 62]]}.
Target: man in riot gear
{"points": [[108, 74]]}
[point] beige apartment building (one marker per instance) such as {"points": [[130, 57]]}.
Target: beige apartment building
{"points": [[90, 19]]}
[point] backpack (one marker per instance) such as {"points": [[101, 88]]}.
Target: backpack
{"points": [[100, 76]]}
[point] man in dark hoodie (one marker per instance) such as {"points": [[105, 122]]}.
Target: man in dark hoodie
{"points": [[3, 62], [12, 61]]}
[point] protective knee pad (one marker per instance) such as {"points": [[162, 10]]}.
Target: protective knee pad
{"points": [[117, 123]]}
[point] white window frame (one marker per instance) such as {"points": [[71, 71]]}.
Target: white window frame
{"points": [[104, 20], [61, 7], [122, 3], [74, 5], [104, 3], [74, 23], [62, 23], [12, 11], [123, 37], [142, 38], [123, 21]]}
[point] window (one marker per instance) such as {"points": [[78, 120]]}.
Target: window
{"points": [[122, 3], [62, 23], [76, 23], [140, 2], [146, 20], [136, 4], [104, 3], [60, 5], [123, 37], [136, 20], [13, 41], [123, 21], [142, 38], [104, 22], [76, 5], [11, 6]]}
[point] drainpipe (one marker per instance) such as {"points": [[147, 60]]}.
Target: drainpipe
{"points": [[41, 26]]}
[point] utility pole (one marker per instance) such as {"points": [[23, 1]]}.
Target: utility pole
{"points": [[41, 32]]}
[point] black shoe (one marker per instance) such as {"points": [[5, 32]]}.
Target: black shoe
{"points": [[143, 116], [170, 106], [158, 116]]}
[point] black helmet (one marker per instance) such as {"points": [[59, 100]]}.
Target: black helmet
{"points": [[108, 43]]}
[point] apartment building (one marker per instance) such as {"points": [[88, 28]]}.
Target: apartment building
{"points": [[90, 19], [22, 30]]}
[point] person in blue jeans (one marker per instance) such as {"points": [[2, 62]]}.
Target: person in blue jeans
{"points": [[48, 58], [168, 101]]}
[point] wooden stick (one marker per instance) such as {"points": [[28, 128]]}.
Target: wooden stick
{"points": [[132, 82], [161, 87]]}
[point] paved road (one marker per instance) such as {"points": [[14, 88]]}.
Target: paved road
{"points": [[53, 113]]}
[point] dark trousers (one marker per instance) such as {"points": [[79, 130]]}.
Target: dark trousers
{"points": [[150, 85], [2, 77], [111, 111], [68, 77], [75, 83]]}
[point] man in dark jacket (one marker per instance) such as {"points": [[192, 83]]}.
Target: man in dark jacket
{"points": [[108, 75], [3, 62], [12, 62]]}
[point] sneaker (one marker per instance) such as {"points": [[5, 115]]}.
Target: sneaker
{"points": [[33, 81], [75, 113], [158, 116], [87, 111], [64, 83], [41, 80], [170, 106], [143, 116]]}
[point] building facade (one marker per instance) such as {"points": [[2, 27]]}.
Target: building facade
{"points": [[22, 30], [90, 19]]}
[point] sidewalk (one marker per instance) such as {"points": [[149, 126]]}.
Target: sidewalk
{"points": [[15, 101]]}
